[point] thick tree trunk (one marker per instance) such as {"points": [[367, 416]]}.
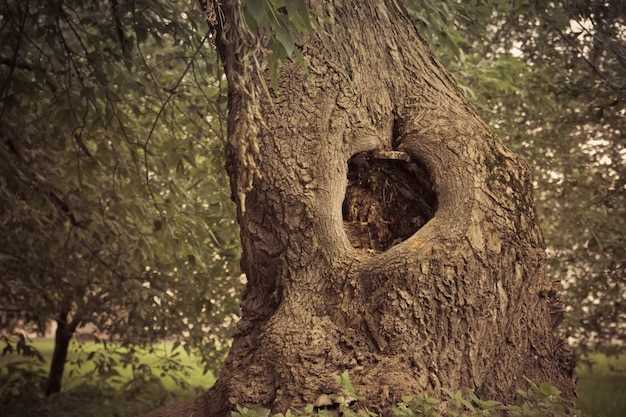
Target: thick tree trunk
{"points": [[335, 282], [62, 338]]}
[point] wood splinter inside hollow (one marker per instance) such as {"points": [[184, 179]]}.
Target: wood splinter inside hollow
{"points": [[388, 198]]}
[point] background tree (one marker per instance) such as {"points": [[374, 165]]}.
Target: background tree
{"points": [[113, 209]]}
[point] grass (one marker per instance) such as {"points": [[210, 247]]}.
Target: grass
{"points": [[601, 386], [75, 373], [85, 393]]}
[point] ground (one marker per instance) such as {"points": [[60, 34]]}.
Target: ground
{"points": [[86, 395], [601, 389]]}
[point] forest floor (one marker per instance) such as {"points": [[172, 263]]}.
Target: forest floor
{"points": [[601, 387]]}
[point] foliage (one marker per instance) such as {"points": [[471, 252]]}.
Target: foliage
{"points": [[85, 400], [158, 372], [16, 378], [20, 347], [283, 20], [113, 207], [539, 400]]}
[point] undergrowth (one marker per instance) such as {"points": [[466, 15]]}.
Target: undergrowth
{"points": [[539, 400]]}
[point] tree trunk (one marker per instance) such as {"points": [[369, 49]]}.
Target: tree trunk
{"points": [[62, 338], [387, 234]]}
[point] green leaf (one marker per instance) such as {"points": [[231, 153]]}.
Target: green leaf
{"points": [[549, 390], [284, 36], [278, 54], [256, 13], [298, 13], [346, 384]]}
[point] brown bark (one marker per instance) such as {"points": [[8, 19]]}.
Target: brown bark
{"points": [[62, 338], [460, 303]]}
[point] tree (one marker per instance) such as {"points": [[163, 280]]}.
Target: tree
{"points": [[550, 78], [578, 47], [385, 231], [111, 212]]}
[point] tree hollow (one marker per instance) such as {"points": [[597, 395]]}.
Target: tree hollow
{"points": [[388, 198]]}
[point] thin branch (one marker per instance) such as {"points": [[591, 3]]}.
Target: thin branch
{"points": [[171, 94], [7, 82], [594, 69]]}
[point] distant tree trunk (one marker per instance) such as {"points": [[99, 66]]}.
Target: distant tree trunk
{"points": [[388, 233], [62, 338]]}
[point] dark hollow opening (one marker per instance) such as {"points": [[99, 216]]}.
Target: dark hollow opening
{"points": [[388, 198]]}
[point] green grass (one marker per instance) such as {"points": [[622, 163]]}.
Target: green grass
{"points": [[85, 393], [75, 375], [601, 386]]}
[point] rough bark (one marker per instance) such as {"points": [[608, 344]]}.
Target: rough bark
{"points": [[62, 338], [463, 302]]}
